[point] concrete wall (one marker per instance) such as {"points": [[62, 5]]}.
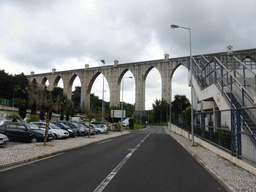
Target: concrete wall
{"points": [[5, 111]]}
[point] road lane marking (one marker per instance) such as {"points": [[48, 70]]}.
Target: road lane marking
{"points": [[106, 181]]}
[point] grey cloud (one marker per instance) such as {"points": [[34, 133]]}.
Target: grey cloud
{"points": [[39, 33]]}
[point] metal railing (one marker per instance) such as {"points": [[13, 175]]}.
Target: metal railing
{"points": [[212, 127], [236, 81]]}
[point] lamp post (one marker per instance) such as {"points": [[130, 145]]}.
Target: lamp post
{"points": [[191, 81], [122, 106], [103, 104]]}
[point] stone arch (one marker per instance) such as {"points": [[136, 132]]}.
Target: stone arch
{"points": [[67, 83], [146, 97], [122, 75], [119, 81], [72, 79], [174, 69], [248, 57], [43, 83], [250, 62], [56, 81], [148, 70], [179, 80], [92, 81], [88, 89], [33, 82]]}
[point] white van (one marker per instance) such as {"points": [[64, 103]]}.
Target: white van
{"points": [[126, 122]]}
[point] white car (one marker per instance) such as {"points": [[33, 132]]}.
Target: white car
{"points": [[58, 132], [102, 128], [5, 121], [3, 140]]}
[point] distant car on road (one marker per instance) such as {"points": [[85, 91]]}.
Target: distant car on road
{"points": [[3, 140], [24, 131]]}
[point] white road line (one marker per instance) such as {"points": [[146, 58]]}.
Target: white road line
{"points": [[106, 181]]}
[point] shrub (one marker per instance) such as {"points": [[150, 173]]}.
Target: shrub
{"points": [[117, 128], [14, 116], [33, 118], [131, 123]]}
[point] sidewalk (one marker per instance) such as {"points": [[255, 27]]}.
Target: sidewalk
{"points": [[231, 176]]}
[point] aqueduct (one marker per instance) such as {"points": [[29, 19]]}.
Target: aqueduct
{"points": [[114, 74]]}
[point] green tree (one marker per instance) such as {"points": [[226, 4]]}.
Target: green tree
{"points": [[96, 106], [179, 104], [33, 108], [160, 110], [20, 93], [14, 88], [7, 84], [187, 115], [46, 104], [131, 123], [76, 95]]}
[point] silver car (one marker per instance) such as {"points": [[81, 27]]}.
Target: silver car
{"points": [[100, 128], [3, 140], [58, 132]]}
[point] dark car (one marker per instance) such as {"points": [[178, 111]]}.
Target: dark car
{"points": [[24, 131], [86, 127], [72, 133], [74, 127]]}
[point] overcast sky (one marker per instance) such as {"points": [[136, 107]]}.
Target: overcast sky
{"points": [[38, 35]]}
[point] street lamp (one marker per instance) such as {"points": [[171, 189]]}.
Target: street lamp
{"points": [[103, 104], [191, 81], [122, 117]]}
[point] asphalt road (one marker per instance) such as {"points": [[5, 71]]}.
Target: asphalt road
{"points": [[148, 160]]}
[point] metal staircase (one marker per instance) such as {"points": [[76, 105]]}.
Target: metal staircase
{"points": [[236, 80]]}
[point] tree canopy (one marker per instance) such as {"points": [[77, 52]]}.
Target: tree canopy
{"points": [[160, 110], [179, 104]]}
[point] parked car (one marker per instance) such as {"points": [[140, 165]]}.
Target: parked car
{"points": [[73, 126], [4, 121], [92, 131], [104, 127], [98, 128], [58, 133], [24, 131], [91, 127], [3, 140], [72, 133], [94, 128], [82, 127]]}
